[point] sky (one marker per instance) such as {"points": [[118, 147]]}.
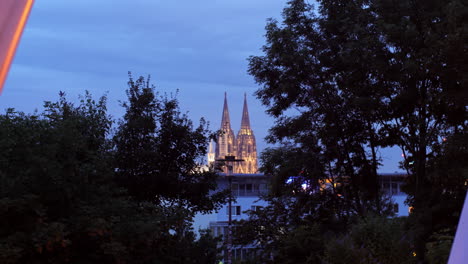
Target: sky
{"points": [[198, 48]]}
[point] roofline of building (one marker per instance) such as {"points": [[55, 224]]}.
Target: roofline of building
{"points": [[243, 175]]}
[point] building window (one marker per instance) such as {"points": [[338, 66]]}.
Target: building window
{"points": [[386, 188], [241, 189], [248, 189], [391, 188], [235, 210], [256, 208], [242, 254], [394, 188], [235, 189]]}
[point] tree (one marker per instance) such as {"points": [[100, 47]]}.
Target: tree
{"points": [[373, 240], [159, 152], [306, 69], [359, 75], [59, 202]]}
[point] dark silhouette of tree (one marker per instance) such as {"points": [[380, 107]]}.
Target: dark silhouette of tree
{"points": [[159, 152], [59, 202], [355, 76]]}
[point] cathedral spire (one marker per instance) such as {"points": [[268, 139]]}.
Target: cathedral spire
{"points": [[245, 123], [226, 145], [225, 120], [246, 146]]}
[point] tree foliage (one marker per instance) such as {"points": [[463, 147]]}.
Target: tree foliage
{"points": [[159, 152], [373, 240], [59, 198], [352, 77]]}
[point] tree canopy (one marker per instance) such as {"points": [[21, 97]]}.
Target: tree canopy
{"points": [[159, 153], [62, 200], [351, 77]]}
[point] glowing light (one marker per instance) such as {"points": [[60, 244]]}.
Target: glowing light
{"points": [[444, 139], [18, 25], [298, 179], [402, 155], [414, 254]]}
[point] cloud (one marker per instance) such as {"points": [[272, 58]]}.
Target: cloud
{"points": [[199, 47], [165, 36]]}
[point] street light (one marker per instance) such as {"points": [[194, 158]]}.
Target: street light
{"points": [[228, 160]]}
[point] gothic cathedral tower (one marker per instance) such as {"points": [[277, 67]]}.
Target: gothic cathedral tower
{"points": [[246, 145], [226, 145], [243, 148]]}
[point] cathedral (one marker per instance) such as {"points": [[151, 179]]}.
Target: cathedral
{"points": [[242, 147]]}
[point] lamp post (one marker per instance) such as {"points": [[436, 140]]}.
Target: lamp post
{"points": [[228, 160]]}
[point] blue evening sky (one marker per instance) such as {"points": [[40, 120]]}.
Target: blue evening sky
{"points": [[198, 47]]}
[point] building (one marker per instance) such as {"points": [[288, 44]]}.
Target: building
{"points": [[226, 145], [247, 185], [390, 184], [242, 147], [247, 190]]}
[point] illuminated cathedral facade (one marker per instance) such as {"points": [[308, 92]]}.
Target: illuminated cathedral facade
{"points": [[242, 147]]}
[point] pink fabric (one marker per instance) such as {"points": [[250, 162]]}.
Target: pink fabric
{"points": [[13, 14]]}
